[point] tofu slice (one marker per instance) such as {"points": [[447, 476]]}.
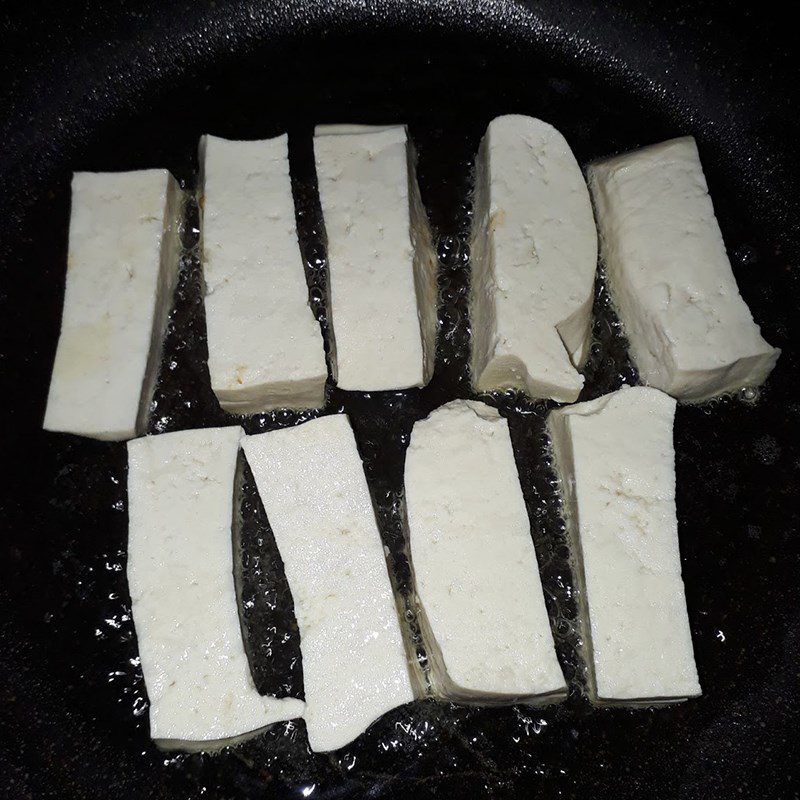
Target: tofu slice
{"points": [[690, 332], [312, 484], [483, 617], [265, 347], [180, 574], [534, 257], [381, 261], [616, 461], [122, 268]]}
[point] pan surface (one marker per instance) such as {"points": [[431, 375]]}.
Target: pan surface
{"points": [[117, 88]]}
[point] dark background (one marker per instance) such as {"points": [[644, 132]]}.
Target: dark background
{"points": [[130, 85]]}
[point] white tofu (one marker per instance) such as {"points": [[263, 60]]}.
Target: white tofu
{"points": [[122, 267], [265, 348], [534, 257], [616, 461], [690, 332], [180, 574], [381, 262], [483, 617], [355, 668]]}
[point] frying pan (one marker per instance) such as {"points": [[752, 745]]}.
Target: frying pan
{"points": [[113, 86]]}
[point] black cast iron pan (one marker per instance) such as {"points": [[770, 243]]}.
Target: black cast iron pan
{"points": [[112, 86]]}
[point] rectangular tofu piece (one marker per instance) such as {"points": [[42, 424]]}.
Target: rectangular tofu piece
{"points": [[482, 612], [180, 574], [122, 268], [355, 668], [381, 261], [265, 347], [690, 332], [617, 466], [534, 258]]}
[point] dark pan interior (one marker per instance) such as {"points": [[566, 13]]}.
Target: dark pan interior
{"points": [[112, 88]]}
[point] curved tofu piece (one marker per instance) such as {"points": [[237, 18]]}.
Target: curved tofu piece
{"points": [[690, 332], [312, 484], [616, 461], [265, 348], [180, 573], [381, 262], [122, 268], [534, 257], [484, 621]]}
